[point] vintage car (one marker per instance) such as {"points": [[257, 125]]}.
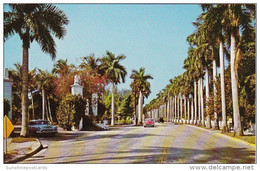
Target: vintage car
{"points": [[41, 127], [148, 122]]}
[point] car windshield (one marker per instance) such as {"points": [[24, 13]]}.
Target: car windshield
{"points": [[42, 122], [148, 119]]}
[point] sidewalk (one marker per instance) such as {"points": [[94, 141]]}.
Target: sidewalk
{"points": [[19, 151]]}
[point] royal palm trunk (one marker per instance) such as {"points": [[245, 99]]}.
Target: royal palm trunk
{"points": [[222, 79], [181, 108], [192, 112], [49, 108], [25, 112], [168, 110], [113, 106], [43, 103], [140, 107], [178, 101], [199, 104], [202, 102], [207, 97], [188, 101], [175, 108], [195, 102], [215, 92], [234, 81], [47, 112], [185, 110], [33, 113]]}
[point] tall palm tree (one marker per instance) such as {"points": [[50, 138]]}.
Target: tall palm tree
{"points": [[194, 68], [186, 85], [175, 89], [237, 19], [140, 80], [33, 22], [115, 73], [213, 19]]}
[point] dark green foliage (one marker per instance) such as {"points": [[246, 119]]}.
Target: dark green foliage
{"points": [[70, 111], [247, 99], [37, 98], [228, 93], [126, 109], [89, 125], [123, 105], [107, 103], [101, 110], [247, 78], [6, 106], [16, 76]]}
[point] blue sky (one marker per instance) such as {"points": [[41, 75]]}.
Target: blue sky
{"points": [[150, 35]]}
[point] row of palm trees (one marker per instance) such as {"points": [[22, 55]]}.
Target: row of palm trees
{"points": [[39, 22], [218, 34]]}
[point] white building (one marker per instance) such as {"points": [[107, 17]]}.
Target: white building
{"points": [[8, 91]]}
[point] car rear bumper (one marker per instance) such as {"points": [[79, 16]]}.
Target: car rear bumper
{"points": [[152, 125]]}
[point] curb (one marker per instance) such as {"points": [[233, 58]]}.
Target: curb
{"points": [[39, 148], [233, 138]]}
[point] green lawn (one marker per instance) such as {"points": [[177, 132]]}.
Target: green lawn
{"points": [[247, 138]]}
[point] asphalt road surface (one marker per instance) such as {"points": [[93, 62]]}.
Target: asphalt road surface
{"points": [[165, 143]]}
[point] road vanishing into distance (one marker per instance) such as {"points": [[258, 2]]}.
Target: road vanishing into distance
{"points": [[165, 143]]}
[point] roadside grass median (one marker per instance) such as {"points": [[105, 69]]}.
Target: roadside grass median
{"points": [[248, 138], [22, 139]]}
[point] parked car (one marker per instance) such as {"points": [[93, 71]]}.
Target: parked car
{"points": [[161, 120], [148, 122], [41, 127]]}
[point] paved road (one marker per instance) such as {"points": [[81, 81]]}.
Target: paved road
{"points": [[166, 143]]}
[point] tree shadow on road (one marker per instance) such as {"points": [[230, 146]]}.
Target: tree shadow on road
{"points": [[62, 136], [155, 154]]}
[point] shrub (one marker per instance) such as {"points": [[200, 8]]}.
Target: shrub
{"points": [[6, 106], [70, 111]]}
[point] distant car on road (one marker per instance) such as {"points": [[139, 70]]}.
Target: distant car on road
{"points": [[161, 120], [148, 122], [41, 127]]}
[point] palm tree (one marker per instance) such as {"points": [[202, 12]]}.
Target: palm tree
{"points": [[202, 102], [61, 67], [142, 86], [115, 73], [237, 19], [44, 81], [213, 19], [194, 67], [92, 64], [32, 88], [33, 22], [187, 89]]}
